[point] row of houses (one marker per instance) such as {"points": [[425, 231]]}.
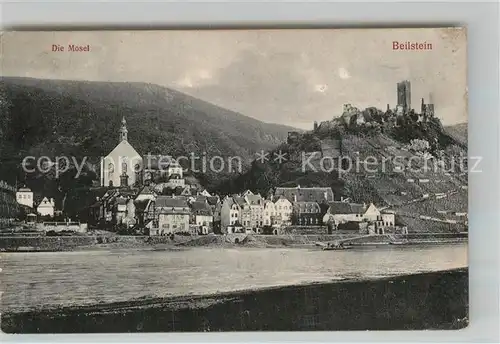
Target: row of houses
{"points": [[246, 212], [155, 214], [45, 207], [296, 206]]}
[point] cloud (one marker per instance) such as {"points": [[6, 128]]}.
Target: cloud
{"points": [[344, 73], [321, 88], [196, 78]]}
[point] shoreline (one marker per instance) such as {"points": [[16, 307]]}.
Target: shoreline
{"points": [[13, 244], [421, 292]]}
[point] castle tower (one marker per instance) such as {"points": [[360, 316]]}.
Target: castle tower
{"points": [[404, 95], [123, 130]]}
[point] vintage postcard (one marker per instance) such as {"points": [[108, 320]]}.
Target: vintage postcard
{"points": [[233, 180]]}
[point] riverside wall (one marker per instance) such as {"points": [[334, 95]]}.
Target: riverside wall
{"points": [[437, 300], [68, 243]]}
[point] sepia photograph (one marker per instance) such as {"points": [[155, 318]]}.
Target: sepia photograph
{"points": [[234, 180]]}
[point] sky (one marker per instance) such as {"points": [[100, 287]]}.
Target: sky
{"points": [[292, 77]]}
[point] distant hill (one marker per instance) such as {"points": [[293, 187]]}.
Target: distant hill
{"points": [[458, 131], [82, 119], [87, 115]]}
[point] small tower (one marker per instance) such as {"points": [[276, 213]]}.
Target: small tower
{"points": [[123, 130], [315, 125]]}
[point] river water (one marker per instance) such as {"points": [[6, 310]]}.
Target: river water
{"points": [[32, 280]]}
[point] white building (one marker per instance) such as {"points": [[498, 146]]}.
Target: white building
{"points": [[283, 208], [123, 166], [24, 196], [229, 213], [269, 216], [256, 209], [46, 207], [342, 212]]}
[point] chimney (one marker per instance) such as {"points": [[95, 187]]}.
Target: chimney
{"points": [[298, 186], [326, 195], [295, 198], [388, 108]]}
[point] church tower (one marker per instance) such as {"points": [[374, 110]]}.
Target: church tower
{"points": [[119, 167], [123, 130]]}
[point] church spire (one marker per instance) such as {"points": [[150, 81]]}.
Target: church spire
{"points": [[123, 130]]}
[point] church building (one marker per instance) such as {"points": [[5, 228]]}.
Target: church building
{"points": [[123, 166]]}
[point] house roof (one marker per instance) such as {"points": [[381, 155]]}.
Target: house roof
{"points": [[186, 191], [305, 207], [171, 202], [200, 198], [313, 194], [201, 208], [240, 201], [146, 190], [24, 190], [255, 199], [213, 200], [141, 205], [346, 208]]}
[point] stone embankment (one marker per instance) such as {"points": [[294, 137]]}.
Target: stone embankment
{"points": [[81, 242]]}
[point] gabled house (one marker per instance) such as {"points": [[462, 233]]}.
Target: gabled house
{"points": [[306, 214], [124, 211], [145, 213], [229, 213], [343, 212], [253, 211], [202, 217], [46, 207], [284, 210], [146, 193], [270, 216], [172, 214]]}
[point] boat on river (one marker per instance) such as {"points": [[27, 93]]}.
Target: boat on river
{"points": [[336, 248]]}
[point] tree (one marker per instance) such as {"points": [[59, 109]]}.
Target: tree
{"points": [[419, 145]]}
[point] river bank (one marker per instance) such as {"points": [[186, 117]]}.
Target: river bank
{"points": [[94, 242], [436, 300]]}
